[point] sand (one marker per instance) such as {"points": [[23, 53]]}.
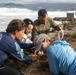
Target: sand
{"points": [[41, 67]]}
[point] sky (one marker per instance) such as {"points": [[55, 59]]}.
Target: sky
{"points": [[36, 1]]}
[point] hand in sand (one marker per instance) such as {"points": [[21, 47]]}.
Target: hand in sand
{"points": [[33, 57]]}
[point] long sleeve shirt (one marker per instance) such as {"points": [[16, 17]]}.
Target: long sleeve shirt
{"points": [[9, 45], [61, 58]]}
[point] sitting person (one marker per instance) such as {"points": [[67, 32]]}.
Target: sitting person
{"points": [[61, 57], [28, 29], [44, 24], [9, 45]]}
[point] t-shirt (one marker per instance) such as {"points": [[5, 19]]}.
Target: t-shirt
{"points": [[42, 28], [26, 39]]}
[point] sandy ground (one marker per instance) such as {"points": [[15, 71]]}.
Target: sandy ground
{"points": [[41, 67]]}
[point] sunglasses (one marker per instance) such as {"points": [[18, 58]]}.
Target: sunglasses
{"points": [[23, 25], [29, 22]]}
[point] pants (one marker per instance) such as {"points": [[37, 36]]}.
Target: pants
{"points": [[8, 70]]}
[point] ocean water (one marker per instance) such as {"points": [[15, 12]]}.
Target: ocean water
{"points": [[7, 14]]}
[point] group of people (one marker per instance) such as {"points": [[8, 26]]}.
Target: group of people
{"points": [[27, 34]]}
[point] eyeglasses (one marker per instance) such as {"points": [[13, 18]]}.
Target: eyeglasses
{"points": [[23, 25], [28, 23]]}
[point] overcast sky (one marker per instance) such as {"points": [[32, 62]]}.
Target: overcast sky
{"points": [[36, 1]]}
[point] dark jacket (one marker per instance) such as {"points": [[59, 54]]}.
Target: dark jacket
{"points": [[9, 45]]}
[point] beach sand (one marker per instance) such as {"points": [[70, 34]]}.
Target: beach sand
{"points": [[41, 67]]}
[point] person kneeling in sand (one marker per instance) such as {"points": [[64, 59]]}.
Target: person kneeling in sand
{"points": [[9, 45], [61, 57]]}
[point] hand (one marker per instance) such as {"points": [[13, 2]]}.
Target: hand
{"points": [[59, 27], [33, 57], [35, 53]]}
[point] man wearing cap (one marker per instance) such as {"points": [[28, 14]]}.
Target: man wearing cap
{"points": [[61, 57]]}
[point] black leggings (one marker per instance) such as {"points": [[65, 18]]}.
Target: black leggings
{"points": [[8, 70]]}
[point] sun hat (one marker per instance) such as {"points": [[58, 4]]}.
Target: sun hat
{"points": [[38, 40]]}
